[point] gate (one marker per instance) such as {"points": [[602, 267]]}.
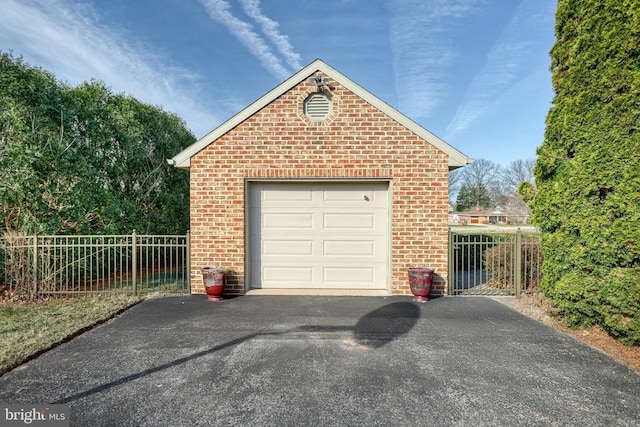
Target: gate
{"points": [[487, 262]]}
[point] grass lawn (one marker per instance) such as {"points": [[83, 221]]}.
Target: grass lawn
{"points": [[27, 329]]}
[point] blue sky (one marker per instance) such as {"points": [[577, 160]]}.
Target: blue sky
{"points": [[473, 72]]}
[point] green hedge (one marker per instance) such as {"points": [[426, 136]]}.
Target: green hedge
{"points": [[587, 200], [83, 160], [611, 301]]}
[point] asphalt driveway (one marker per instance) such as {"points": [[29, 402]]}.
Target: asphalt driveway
{"points": [[327, 361]]}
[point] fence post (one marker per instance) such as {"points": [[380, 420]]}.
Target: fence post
{"points": [[450, 264], [134, 261], [188, 249], [35, 266], [518, 263]]}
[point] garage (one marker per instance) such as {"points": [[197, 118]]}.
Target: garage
{"points": [[319, 235], [319, 186]]}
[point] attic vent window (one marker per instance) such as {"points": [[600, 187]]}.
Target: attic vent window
{"points": [[317, 107]]}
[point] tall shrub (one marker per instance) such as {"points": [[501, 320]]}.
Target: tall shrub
{"points": [[500, 262], [587, 204], [83, 160]]}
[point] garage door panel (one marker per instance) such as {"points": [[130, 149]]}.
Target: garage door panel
{"points": [[349, 194], [279, 221], [287, 274], [295, 248], [342, 221], [361, 248], [287, 193], [349, 276]]}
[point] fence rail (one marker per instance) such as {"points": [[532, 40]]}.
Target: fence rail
{"points": [[505, 262], [92, 264]]}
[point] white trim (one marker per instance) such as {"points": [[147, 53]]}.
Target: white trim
{"points": [[183, 159], [250, 182]]}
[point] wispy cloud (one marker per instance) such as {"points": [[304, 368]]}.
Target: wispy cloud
{"points": [[422, 49], [220, 11], [271, 29], [68, 39], [508, 60]]}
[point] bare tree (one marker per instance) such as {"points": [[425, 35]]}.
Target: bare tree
{"points": [[481, 172], [482, 176], [516, 173], [455, 182]]}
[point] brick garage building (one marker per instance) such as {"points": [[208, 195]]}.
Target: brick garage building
{"points": [[319, 186]]}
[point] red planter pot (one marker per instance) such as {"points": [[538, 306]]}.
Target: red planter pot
{"points": [[213, 279], [420, 280]]}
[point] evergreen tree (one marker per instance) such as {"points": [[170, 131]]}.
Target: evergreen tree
{"points": [[473, 196], [587, 203]]}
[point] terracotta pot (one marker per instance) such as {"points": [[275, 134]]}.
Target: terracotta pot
{"points": [[420, 280], [213, 280]]}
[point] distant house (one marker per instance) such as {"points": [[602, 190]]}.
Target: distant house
{"points": [[319, 185], [486, 216]]}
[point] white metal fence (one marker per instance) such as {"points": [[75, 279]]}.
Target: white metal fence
{"points": [[92, 264]]}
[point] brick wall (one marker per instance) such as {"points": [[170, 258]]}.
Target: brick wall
{"points": [[356, 141]]}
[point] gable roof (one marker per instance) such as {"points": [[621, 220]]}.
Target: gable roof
{"points": [[183, 159]]}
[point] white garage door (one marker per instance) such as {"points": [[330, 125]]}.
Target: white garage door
{"points": [[319, 235]]}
